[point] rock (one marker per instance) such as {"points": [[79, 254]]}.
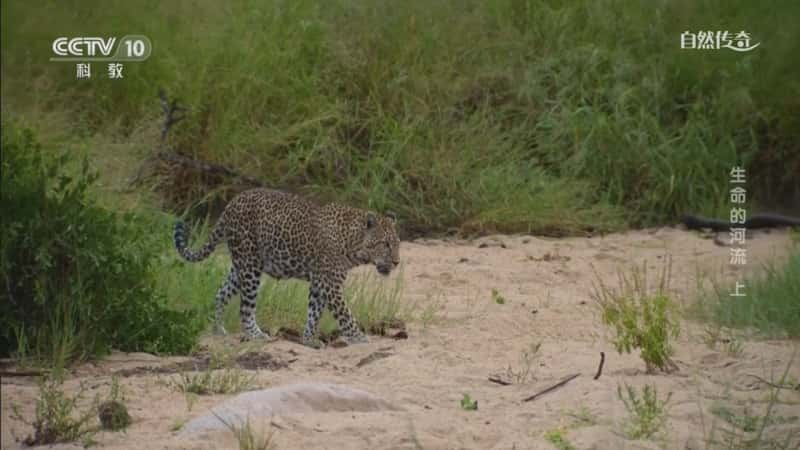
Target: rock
{"points": [[291, 399]]}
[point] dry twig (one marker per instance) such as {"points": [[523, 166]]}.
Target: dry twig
{"points": [[551, 388]]}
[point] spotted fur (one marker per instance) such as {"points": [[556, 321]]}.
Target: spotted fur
{"points": [[288, 236]]}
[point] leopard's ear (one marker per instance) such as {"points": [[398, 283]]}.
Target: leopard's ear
{"points": [[371, 220], [391, 216]]}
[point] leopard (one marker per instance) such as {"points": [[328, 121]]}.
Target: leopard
{"points": [[289, 236]]}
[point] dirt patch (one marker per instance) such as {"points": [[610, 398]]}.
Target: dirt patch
{"points": [[375, 356], [546, 285], [395, 329], [247, 361]]}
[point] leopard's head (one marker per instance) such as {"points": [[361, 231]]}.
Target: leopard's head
{"points": [[380, 245]]}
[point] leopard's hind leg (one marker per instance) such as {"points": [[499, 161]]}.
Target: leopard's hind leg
{"points": [[248, 280], [224, 294]]}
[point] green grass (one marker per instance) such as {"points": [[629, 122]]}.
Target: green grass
{"points": [[468, 403], [373, 301], [214, 381], [247, 437], [769, 307], [746, 421], [647, 414], [743, 427], [541, 116], [558, 438]]}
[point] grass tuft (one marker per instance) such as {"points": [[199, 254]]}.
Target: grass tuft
{"points": [[214, 381], [558, 438], [247, 437], [647, 414]]}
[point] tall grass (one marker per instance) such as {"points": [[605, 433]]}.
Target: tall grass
{"points": [[374, 303], [769, 305], [544, 116]]}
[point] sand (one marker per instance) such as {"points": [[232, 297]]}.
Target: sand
{"points": [[466, 338]]}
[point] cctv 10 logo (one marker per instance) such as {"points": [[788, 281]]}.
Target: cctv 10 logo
{"points": [[132, 47]]}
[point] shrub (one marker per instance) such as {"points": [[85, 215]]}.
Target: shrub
{"points": [[58, 418], [641, 319], [647, 413], [113, 413], [77, 278]]}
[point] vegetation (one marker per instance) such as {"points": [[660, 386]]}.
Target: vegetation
{"points": [[78, 279], [220, 377], [559, 440], [769, 305], [647, 414], [746, 421], [583, 417], [497, 298], [211, 381], [525, 372], [640, 317], [247, 437], [375, 303], [754, 431], [58, 418], [468, 403], [113, 412], [545, 116]]}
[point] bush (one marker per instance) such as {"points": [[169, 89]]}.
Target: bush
{"points": [[113, 413], [77, 278], [641, 319]]}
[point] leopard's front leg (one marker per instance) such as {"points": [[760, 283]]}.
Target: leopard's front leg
{"points": [[326, 291]]}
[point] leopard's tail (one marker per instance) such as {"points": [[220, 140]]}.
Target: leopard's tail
{"points": [[181, 235]]}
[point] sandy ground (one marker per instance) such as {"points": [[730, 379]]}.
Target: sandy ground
{"points": [[547, 285]]}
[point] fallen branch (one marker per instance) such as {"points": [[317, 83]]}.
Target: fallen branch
{"points": [[499, 380], [174, 113], [23, 373], [600, 367], [209, 168], [551, 388]]}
